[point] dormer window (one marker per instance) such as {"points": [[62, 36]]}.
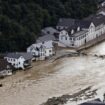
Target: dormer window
{"points": [[78, 29], [48, 32], [72, 31]]}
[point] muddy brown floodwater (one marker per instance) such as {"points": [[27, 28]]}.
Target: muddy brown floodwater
{"points": [[48, 79]]}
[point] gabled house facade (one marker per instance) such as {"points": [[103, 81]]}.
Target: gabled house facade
{"points": [[101, 11], [82, 31], [103, 4], [19, 60], [42, 50]]}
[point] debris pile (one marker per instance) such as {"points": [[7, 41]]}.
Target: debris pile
{"points": [[81, 95]]}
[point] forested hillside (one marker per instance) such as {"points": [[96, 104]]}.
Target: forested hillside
{"points": [[22, 20]]}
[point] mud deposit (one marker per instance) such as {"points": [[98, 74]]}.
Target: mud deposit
{"points": [[66, 78]]}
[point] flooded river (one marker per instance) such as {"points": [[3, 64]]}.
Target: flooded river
{"points": [[64, 76]]}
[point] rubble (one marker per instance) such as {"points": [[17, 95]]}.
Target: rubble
{"points": [[84, 94]]}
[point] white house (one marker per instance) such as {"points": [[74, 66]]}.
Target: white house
{"points": [[37, 50], [101, 11], [49, 48], [82, 31], [41, 50], [103, 4], [19, 60]]}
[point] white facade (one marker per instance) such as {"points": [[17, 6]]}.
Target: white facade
{"points": [[41, 50], [103, 4], [102, 13], [81, 37], [16, 62]]}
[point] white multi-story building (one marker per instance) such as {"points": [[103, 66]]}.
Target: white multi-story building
{"points": [[19, 60], [42, 50], [79, 32]]}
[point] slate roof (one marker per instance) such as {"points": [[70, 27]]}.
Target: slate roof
{"points": [[82, 23], [74, 23], [46, 44], [46, 38], [26, 56], [96, 19], [36, 47], [13, 55], [68, 22], [49, 30], [76, 34]]}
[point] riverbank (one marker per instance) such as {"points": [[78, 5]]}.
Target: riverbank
{"points": [[54, 78], [84, 94], [91, 43]]}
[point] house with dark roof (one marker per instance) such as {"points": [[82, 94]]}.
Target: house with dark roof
{"points": [[19, 60], [5, 68], [48, 34], [75, 33], [48, 30], [65, 23]]}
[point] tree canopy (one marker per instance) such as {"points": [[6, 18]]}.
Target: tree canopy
{"points": [[22, 20]]}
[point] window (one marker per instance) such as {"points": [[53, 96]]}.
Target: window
{"points": [[8, 71], [8, 59], [79, 38], [78, 29], [50, 51], [61, 38], [42, 42], [48, 32], [65, 38], [70, 38], [72, 31]]}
